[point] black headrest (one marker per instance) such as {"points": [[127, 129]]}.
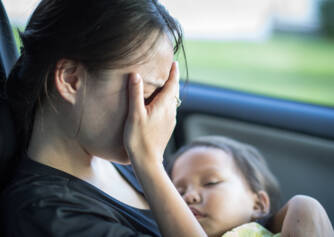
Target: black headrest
{"points": [[2, 79], [7, 133], [8, 56]]}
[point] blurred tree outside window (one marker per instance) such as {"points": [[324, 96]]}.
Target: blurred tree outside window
{"points": [[327, 17]]}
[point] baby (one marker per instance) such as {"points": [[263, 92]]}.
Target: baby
{"points": [[227, 184]]}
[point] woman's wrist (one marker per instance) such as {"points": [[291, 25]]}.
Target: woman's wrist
{"points": [[147, 163]]}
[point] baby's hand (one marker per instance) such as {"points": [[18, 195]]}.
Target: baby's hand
{"points": [[302, 216], [305, 216], [149, 127]]}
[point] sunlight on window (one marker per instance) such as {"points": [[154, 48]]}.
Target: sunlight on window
{"points": [[19, 10]]}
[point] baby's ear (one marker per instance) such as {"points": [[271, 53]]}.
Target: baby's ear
{"points": [[261, 206]]}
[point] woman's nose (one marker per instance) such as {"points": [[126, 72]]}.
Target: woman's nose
{"points": [[192, 197]]}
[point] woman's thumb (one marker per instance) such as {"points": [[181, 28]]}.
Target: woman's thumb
{"points": [[136, 95]]}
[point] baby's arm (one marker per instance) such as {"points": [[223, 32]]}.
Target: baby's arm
{"points": [[302, 216]]}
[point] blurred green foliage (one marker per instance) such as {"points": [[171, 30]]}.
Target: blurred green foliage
{"points": [[290, 67], [16, 30]]}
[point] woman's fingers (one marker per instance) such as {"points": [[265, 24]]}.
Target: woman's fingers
{"points": [[148, 128], [136, 95], [170, 90]]}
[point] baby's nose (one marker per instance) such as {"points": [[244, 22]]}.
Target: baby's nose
{"points": [[192, 197]]}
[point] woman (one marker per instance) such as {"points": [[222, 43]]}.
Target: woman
{"points": [[95, 79], [76, 83]]}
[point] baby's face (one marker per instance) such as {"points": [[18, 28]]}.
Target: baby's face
{"points": [[214, 189]]}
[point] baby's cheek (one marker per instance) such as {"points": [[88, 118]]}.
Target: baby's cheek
{"points": [[215, 203]]}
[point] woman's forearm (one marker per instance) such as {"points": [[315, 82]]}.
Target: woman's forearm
{"points": [[147, 131], [170, 211]]}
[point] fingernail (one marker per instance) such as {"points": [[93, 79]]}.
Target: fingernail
{"points": [[136, 79], [177, 64]]}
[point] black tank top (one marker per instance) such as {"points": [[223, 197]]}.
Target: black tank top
{"points": [[44, 201]]}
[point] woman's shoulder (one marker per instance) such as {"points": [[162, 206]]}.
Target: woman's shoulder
{"points": [[34, 181], [42, 186], [54, 199]]}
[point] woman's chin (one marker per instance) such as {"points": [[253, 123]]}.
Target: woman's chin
{"points": [[118, 156], [124, 161]]}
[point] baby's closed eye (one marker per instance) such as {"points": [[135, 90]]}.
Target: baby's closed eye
{"points": [[212, 182]]}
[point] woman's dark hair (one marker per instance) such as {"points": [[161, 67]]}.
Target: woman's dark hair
{"points": [[248, 160], [98, 34]]}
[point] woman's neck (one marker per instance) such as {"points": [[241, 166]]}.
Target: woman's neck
{"points": [[49, 145], [52, 147]]}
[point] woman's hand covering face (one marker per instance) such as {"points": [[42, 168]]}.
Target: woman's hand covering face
{"points": [[149, 127]]}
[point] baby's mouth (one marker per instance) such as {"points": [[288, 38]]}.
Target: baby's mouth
{"points": [[197, 213]]}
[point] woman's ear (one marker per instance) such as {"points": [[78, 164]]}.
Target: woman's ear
{"points": [[68, 79], [261, 206]]}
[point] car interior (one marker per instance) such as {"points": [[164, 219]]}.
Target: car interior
{"points": [[297, 139]]}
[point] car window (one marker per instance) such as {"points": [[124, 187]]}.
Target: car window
{"points": [[278, 48], [275, 48]]}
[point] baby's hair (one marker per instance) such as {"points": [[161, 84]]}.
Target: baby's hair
{"points": [[248, 160]]}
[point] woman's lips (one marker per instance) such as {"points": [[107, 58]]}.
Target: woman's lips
{"points": [[197, 213]]}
